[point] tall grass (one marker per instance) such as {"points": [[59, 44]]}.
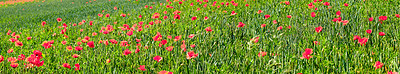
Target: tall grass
{"points": [[226, 49]]}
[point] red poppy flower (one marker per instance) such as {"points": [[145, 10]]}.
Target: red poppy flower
{"points": [[397, 15], [90, 44], [1, 58], [138, 40], [59, 19], [255, 40], [66, 65], [10, 50], [259, 11], [77, 67], [163, 42], [12, 40], [156, 15], [369, 31], [151, 22], [177, 16], [316, 43], [123, 15], [378, 65], [14, 65], [108, 61], [165, 72], [208, 29], [79, 43], [124, 43], [233, 13], [311, 5], [205, 18], [177, 38], [63, 42], [35, 58], [289, 16], [94, 34], [12, 59], [338, 13], [226, 4], [90, 23], [65, 26], [267, 16], [389, 72], [193, 45], [274, 22], [157, 58], [16, 36], [371, 19], [9, 31], [363, 41], [100, 15], [13, 34], [107, 15], [115, 8], [191, 36], [381, 33], [262, 54], [127, 52], [180, 2], [191, 54], [43, 23], [37, 53], [279, 28], [158, 37], [194, 18], [169, 48], [129, 33], [21, 57], [140, 16], [240, 24], [263, 25], [105, 42], [345, 22], [326, 3], [183, 47], [345, 4], [382, 18], [113, 41], [142, 67], [286, 2], [18, 43], [198, 9], [338, 20], [138, 50], [307, 53], [313, 14], [75, 56], [78, 48], [318, 29], [356, 37]]}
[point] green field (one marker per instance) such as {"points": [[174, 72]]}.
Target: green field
{"points": [[244, 36]]}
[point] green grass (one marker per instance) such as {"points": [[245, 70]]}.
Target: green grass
{"points": [[226, 49], [16, 18]]}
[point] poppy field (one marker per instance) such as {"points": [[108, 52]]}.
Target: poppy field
{"points": [[200, 36]]}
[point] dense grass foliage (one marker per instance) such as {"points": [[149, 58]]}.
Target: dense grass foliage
{"points": [[196, 36], [21, 16]]}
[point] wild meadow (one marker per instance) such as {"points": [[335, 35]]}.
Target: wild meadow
{"points": [[200, 36]]}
